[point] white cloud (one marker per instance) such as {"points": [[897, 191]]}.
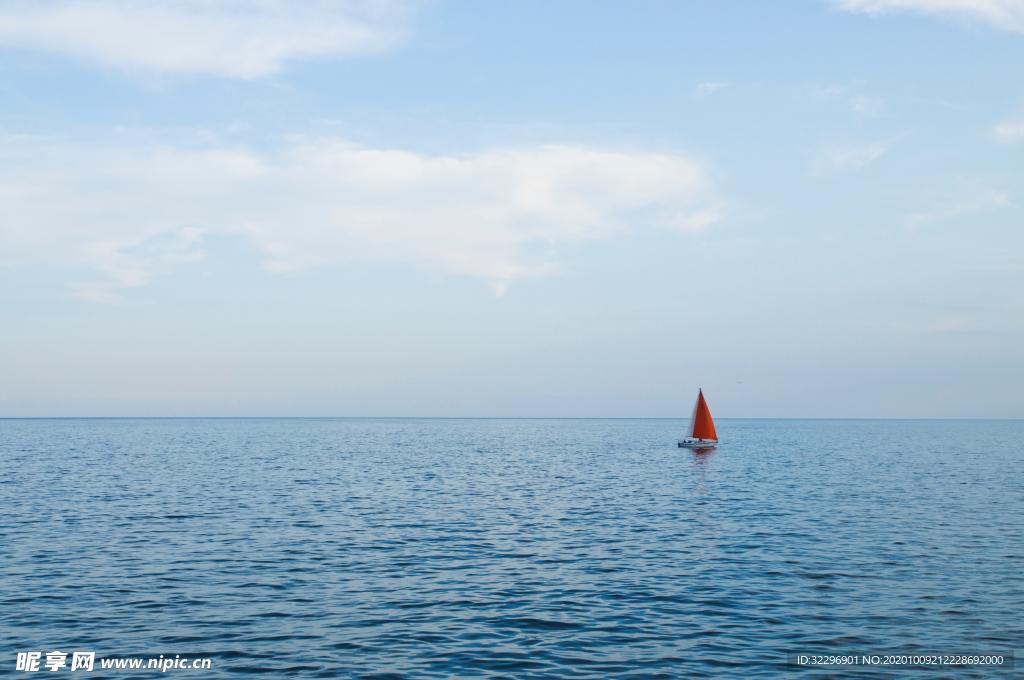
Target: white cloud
{"points": [[130, 213], [1009, 132], [866, 106], [709, 88], [231, 38], [976, 200], [829, 91], [1007, 15], [861, 104], [856, 157], [126, 264]]}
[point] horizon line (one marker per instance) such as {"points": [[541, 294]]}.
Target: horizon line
{"points": [[724, 418]]}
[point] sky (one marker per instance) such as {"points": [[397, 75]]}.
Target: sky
{"points": [[431, 208]]}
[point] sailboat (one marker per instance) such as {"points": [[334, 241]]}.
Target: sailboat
{"points": [[702, 427]]}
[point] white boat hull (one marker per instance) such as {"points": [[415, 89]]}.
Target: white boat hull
{"points": [[691, 443]]}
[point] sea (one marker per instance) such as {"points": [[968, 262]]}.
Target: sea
{"points": [[513, 548]]}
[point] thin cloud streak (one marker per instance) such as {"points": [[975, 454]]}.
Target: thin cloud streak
{"points": [[709, 88], [1007, 15], [856, 157], [864, 105], [977, 201]]}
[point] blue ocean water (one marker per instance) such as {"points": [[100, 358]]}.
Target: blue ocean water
{"points": [[512, 548]]}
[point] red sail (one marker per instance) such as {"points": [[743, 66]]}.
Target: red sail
{"points": [[703, 425]]}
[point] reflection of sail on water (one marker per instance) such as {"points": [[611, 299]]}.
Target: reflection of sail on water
{"points": [[702, 426]]}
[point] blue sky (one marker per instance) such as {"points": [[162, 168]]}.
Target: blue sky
{"points": [[235, 207]]}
